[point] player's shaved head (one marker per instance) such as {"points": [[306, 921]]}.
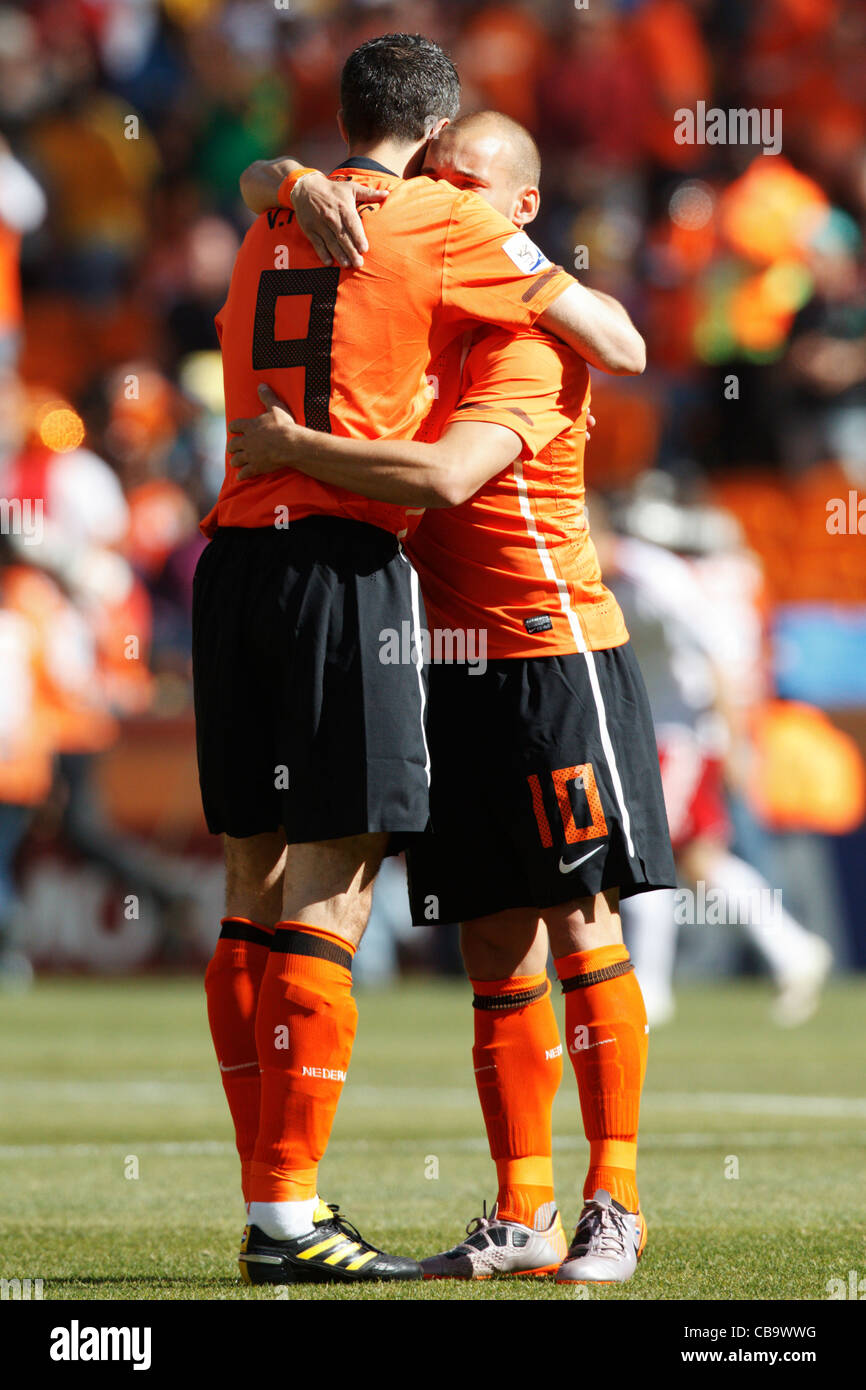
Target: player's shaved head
{"points": [[490, 154], [520, 148]]}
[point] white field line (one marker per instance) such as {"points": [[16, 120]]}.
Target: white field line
{"points": [[755, 1103], [51, 1090], [47, 1090], [222, 1148], [672, 1102], [196, 1148]]}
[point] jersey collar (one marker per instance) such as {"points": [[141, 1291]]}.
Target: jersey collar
{"points": [[361, 161]]}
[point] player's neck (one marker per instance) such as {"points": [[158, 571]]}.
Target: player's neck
{"points": [[405, 160]]}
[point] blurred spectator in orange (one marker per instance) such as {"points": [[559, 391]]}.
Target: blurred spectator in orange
{"points": [[98, 161], [22, 208], [499, 55], [594, 99]]}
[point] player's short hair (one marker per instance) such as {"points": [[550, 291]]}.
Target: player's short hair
{"points": [[397, 86], [525, 156]]}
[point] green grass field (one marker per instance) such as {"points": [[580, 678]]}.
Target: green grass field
{"points": [[94, 1073]]}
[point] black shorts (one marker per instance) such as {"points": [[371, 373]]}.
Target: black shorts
{"points": [[545, 787], [300, 723]]}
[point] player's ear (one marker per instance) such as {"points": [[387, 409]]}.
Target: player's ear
{"points": [[526, 206], [341, 127], [436, 130]]}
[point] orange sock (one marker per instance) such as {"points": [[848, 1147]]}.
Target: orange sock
{"points": [[518, 1068], [305, 1028], [607, 1040], [231, 983]]}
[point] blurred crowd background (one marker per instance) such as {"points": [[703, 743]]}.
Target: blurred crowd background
{"points": [[124, 125]]}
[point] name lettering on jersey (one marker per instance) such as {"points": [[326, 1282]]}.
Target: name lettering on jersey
{"points": [[525, 254], [279, 217], [551, 1052], [324, 1073]]}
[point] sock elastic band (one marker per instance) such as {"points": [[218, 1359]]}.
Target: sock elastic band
{"points": [[299, 939], [243, 929], [515, 992]]}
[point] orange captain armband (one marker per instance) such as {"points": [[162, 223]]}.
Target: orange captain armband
{"points": [[286, 188]]}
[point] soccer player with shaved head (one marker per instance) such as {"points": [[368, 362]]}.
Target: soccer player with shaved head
{"points": [[546, 802]]}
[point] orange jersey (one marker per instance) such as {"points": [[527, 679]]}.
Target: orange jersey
{"points": [[516, 560], [348, 350]]}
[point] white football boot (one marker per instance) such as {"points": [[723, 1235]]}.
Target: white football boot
{"points": [[495, 1247], [607, 1244]]}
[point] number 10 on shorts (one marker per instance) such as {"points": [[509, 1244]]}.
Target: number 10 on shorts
{"points": [[583, 777]]}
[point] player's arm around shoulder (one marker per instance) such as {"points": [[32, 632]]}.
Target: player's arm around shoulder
{"points": [[404, 472], [494, 272], [597, 327], [326, 209], [261, 182], [468, 455]]}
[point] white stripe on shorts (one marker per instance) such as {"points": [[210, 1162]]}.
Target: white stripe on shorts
{"points": [[419, 663], [580, 643]]}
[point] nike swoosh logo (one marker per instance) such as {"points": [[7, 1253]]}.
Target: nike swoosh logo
{"points": [[240, 1066], [569, 868]]}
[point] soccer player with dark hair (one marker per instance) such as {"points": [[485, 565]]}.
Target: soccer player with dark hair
{"points": [[312, 752], [397, 88], [546, 799]]}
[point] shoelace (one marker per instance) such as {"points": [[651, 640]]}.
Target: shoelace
{"points": [[345, 1227], [479, 1223], [604, 1232]]}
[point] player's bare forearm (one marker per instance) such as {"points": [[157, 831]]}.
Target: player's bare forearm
{"points": [[260, 182], [598, 328], [613, 305], [400, 471], [327, 210], [397, 471], [391, 470]]}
